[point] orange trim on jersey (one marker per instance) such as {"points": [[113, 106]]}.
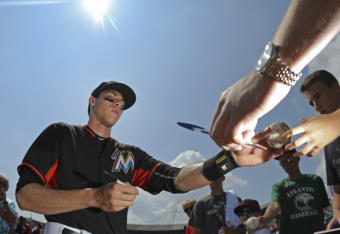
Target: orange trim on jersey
{"points": [[35, 170], [89, 130], [153, 170], [51, 176], [141, 177]]}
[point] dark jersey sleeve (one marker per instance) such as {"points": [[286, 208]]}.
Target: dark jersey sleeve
{"points": [[331, 171], [41, 160], [323, 193], [152, 175], [27, 176]]}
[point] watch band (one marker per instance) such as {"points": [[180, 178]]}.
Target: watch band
{"points": [[271, 65], [279, 71]]}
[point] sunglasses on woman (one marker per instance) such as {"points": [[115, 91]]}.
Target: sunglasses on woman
{"points": [[246, 212]]}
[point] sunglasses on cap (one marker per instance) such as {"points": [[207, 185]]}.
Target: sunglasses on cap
{"points": [[246, 212]]}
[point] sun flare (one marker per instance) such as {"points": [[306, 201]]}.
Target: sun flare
{"points": [[98, 8]]}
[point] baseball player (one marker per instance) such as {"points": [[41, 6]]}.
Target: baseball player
{"points": [[83, 180]]}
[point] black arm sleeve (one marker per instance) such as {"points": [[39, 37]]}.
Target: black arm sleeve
{"points": [[152, 175], [41, 159], [27, 176]]}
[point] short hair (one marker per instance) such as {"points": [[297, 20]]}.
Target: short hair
{"points": [[4, 181], [322, 76], [188, 203]]}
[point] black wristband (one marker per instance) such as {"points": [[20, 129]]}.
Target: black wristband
{"points": [[219, 165]]}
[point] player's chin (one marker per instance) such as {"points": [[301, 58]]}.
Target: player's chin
{"points": [[110, 122], [112, 119]]}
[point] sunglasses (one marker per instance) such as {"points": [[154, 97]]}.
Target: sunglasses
{"points": [[245, 212]]}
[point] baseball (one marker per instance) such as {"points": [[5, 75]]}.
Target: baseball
{"points": [[252, 222], [275, 138]]}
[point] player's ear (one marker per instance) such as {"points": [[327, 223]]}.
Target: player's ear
{"points": [[92, 101]]}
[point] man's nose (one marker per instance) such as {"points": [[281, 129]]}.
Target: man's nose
{"points": [[118, 103]]}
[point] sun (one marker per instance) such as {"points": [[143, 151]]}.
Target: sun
{"points": [[98, 8]]}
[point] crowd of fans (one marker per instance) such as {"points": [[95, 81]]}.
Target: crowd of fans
{"points": [[28, 226]]}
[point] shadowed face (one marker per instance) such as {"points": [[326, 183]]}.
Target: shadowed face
{"points": [[322, 98], [247, 212], [289, 163], [107, 108], [217, 185]]}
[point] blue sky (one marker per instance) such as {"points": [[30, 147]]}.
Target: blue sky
{"points": [[178, 56]]}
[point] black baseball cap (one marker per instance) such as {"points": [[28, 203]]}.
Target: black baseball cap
{"points": [[247, 203], [127, 93]]}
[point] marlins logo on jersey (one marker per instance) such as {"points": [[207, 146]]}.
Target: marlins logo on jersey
{"points": [[123, 160]]}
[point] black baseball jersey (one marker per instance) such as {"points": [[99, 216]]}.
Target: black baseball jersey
{"points": [[70, 157]]}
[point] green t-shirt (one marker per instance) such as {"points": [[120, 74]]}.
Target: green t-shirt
{"points": [[301, 204]]}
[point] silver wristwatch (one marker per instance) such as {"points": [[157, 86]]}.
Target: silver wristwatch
{"points": [[270, 64]]}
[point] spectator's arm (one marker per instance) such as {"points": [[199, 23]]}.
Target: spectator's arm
{"points": [[307, 27], [305, 30], [271, 212]]}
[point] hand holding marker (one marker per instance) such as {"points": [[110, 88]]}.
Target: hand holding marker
{"points": [[200, 129]]}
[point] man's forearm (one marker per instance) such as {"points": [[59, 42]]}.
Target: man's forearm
{"points": [[307, 27], [39, 199], [191, 177], [272, 211]]}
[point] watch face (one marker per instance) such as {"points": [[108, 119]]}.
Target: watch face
{"points": [[265, 56]]}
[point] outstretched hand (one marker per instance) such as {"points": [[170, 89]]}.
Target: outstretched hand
{"points": [[318, 131], [254, 156], [241, 105]]}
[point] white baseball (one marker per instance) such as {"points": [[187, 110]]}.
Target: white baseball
{"points": [[252, 222], [275, 138]]}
